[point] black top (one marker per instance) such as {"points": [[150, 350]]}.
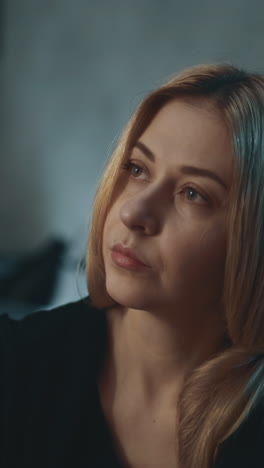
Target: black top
{"points": [[50, 407]]}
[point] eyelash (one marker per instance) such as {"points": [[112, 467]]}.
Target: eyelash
{"points": [[129, 166]]}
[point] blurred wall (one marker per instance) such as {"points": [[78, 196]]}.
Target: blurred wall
{"points": [[72, 72]]}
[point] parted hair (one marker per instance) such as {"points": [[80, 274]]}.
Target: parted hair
{"points": [[222, 393]]}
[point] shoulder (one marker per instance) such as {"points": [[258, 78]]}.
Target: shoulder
{"points": [[48, 394], [59, 318], [67, 330]]}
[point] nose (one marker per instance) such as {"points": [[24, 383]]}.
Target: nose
{"points": [[141, 213]]}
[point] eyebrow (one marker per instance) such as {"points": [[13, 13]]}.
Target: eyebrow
{"points": [[192, 170]]}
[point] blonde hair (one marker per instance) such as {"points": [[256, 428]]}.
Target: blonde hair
{"points": [[222, 393]]}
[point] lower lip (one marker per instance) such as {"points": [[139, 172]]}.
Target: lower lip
{"points": [[126, 262]]}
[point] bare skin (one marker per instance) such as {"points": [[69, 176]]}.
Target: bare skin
{"points": [[144, 435], [170, 318]]}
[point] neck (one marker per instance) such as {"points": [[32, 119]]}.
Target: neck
{"points": [[154, 355]]}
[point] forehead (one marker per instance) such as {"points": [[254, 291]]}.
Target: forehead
{"points": [[191, 132]]}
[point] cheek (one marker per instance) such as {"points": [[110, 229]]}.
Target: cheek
{"points": [[106, 240], [211, 260], [213, 243], [110, 221], [200, 258], [111, 228]]}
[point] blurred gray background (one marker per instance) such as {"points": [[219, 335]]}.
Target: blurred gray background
{"points": [[71, 74]]}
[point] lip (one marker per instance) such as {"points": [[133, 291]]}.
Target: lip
{"points": [[126, 258]]}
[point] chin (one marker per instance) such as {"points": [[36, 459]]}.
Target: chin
{"points": [[129, 289], [129, 298]]}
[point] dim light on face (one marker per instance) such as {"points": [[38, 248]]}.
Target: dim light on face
{"points": [[164, 240]]}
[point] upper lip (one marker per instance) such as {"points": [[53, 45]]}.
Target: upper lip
{"points": [[128, 252]]}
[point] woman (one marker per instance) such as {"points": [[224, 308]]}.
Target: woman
{"points": [[172, 336]]}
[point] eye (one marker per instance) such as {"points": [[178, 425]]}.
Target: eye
{"points": [[193, 195], [189, 192], [135, 170]]}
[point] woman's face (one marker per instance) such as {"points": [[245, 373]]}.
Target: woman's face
{"points": [[169, 208]]}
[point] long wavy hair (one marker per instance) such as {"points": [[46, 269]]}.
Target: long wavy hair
{"points": [[219, 395]]}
